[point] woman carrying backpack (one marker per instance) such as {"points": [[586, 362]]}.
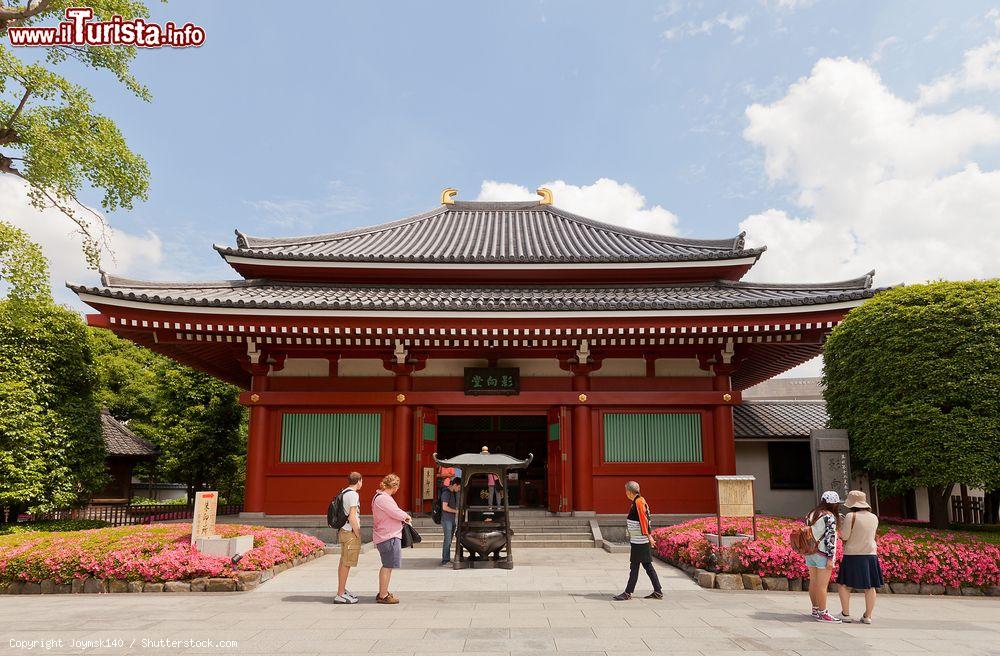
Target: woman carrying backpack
{"points": [[859, 569], [825, 522]]}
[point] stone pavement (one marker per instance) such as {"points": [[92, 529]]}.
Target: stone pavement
{"points": [[553, 600]]}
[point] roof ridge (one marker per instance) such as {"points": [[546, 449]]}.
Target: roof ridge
{"points": [[249, 241], [861, 282], [108, 280], [669, 239]]}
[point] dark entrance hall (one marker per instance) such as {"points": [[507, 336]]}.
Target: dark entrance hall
{"points": [[514, 435]]}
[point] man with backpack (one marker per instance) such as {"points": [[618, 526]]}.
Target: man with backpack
{"points": [[449, 513], [345, 516]]}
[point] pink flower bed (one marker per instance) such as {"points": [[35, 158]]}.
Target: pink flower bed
{"points": [[141, 553], [912, 555]]}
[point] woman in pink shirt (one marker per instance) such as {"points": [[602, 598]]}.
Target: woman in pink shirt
{"points": [[387, 533]]}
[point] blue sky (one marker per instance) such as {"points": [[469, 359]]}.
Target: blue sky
{"points": [[323, 116]]}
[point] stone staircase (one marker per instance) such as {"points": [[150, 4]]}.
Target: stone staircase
{"points": [[532, 528]]}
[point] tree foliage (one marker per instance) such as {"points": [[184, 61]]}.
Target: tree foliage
{"points": [[23, 269], [51, 449], [194, 419], [50, 134], [913, 375]]}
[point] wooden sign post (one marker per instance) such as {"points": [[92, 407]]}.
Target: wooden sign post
{"points": [[736, 499], [203, 524]]}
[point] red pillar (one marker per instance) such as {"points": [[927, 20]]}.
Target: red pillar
{"points": [[258, 441], [402, 443], [722, 415], [583, 461]]}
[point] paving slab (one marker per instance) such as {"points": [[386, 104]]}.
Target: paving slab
{"points": [[553, 601]]}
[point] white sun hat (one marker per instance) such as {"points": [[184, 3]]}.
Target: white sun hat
{"points": [[831, 496]]}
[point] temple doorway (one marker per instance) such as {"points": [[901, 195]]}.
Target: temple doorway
{"points": [[514, 435]]}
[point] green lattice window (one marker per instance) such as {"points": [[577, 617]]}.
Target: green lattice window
{"points": [[333, 437], [649, 437]]}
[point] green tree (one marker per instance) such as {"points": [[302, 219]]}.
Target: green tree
{"points": [[50, 134], [195, 420], [913, 375], [51, 449]]}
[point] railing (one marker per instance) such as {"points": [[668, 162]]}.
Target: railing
{"points": [[968, 510], [127, 515]]}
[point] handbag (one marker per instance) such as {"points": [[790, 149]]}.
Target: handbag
{"points": [[410, 537]]}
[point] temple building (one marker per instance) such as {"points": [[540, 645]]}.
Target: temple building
{"points": [[609, 354]]}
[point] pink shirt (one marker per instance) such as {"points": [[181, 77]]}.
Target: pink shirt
{"points": [[491, 479], [387, 518]]}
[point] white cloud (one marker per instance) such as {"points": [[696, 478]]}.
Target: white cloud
{"points": [[305, 214], [882, 46], [879, 183], [130, 254], [705, 27], [980, 71], [605, 200], [792, 5]]}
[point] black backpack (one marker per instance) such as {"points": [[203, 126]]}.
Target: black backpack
{"points": [[336, 516], [436, 508]]}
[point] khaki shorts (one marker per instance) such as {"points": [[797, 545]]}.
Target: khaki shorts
{"points": [[350, 548]]}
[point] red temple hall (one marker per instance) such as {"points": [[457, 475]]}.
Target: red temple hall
{"points": [[610, 354]]}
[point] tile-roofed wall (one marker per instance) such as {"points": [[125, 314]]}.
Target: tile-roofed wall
{"points": [[787, 388], [778, 419], [478, 232]]}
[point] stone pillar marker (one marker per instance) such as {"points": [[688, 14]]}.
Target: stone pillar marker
{"points": [[831, 458]]}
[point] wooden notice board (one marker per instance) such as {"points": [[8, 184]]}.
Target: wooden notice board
{"points": [[205, 506], [735, 496], [736, 499]]}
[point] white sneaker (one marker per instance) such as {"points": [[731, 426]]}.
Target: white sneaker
{"points": [[815, 612], [351, 595], [845, 618], [344, 599], [866, 620]]}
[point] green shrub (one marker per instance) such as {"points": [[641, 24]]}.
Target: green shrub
{"points": [[51, 526]]}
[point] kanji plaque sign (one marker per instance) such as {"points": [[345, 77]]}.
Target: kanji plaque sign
{"points": [[205, 506], [503, 381]]}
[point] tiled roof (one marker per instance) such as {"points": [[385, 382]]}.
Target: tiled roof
{"points": [[765, 419], [120, 441], [264, 294], [491, 232]]}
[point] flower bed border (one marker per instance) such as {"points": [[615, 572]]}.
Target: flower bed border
{"points": [[244, 581], [728, 581]]}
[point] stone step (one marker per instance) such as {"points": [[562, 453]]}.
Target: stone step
{"points": [[524, 544], [582, 528]]}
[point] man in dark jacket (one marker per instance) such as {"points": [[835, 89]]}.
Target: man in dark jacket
{"points": [[449, 513]]}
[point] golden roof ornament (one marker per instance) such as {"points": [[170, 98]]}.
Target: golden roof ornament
{"points": [[448, 196], [546, 195]]}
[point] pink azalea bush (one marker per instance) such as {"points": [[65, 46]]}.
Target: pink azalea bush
{"points": [[141, 553], [907, 555]]}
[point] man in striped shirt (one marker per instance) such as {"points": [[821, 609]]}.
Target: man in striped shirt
{"points": [[637, 527]]}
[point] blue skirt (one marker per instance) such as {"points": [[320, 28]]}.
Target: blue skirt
{"points": [[860, 572]]}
